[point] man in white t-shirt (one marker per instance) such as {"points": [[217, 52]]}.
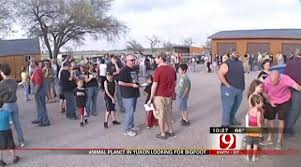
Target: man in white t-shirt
{"points": [[193, 61], [280, 59], [142, 67], [102, 72]]}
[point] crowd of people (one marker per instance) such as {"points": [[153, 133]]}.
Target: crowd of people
{"points": [[120, 79], [271, 94], [253, 62], [78, 86]]}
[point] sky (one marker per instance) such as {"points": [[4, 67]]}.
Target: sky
{"points": [[176, 20]]}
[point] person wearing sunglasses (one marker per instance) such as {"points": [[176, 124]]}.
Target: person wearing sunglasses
{"points": [[129, 87]]}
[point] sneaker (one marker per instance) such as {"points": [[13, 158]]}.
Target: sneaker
{"points": [[94, 113], [35, 121], [278, 146], [135, 129], [159, 136], [22, 144], [266, 142], [86, 121], [75, 117], [81, 124], [130, 133], [185, 123], [44, 124], [105, 125], [2, 163], [236, 123], [16, 160], [116, 123], [170, 134]]}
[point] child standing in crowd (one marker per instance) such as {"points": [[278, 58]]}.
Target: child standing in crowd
{"points": [[255, 119], [256, 88], [25, 82], [81, 98], [6, 136], [109, 87], [150, 119], [183, 90]]}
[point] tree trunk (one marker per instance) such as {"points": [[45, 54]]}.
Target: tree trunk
{"points": [[56, 47], [56, 51], [47, 45]]}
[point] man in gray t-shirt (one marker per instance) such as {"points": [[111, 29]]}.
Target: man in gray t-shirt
{"points": [[8, 89]]}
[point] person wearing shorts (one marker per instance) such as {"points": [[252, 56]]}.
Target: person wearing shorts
{"points": [[62, 100], [163, 89], [183, 90], [81, 99], [280, 111], [278, 89], [109, 88], [6, 135]]}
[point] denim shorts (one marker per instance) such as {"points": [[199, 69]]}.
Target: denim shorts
{"points": [[182, 103]]}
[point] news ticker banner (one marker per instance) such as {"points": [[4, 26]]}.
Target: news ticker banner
{"points": [[177, 151], [242, 130]]}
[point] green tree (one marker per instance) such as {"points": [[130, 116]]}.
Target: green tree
{"points": [[57, 22]]}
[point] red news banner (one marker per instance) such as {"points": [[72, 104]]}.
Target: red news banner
{"points": [[193, 151]]}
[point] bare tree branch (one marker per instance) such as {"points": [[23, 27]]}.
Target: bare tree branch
{"points": [[134, 46], [188, 42], [208, 45], [153, 41], [168, 45]]}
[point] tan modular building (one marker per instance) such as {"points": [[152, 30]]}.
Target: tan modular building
{"points": [[18, 52], [272, 41]]}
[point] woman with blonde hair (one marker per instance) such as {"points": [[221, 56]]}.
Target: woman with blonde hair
{"points": [[25, 82]]}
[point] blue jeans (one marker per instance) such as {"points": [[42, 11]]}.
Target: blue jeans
{"points": [[32, 88], [15, 118], [40, 99], [70, 104], [231, 100], [251, 66], [119, 98], [294, 112], [130, 108], [92, 93], [26, 89]]}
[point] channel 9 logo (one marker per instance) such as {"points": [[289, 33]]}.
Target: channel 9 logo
{"points": [[227, 141]]}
